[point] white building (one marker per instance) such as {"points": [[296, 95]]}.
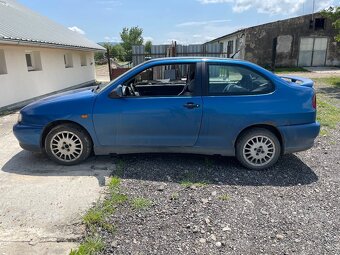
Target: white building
{"points": [[38, 56]]}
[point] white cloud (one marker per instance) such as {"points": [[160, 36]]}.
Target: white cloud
{"points": [[272, 6], [148, 38], [77, 30], [199, 34], [113, 39], [321, 5], [200, 23]]}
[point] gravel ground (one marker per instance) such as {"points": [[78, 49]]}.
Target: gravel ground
{"points": [[292, 208]]}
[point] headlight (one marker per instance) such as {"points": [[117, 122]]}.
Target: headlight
{"points": [[19, 117]]}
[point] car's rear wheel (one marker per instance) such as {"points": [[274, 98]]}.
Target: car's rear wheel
{"points": [[258, 149], [68, 144]]}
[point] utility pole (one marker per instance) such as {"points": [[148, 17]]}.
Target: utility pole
{"points": [[109, 62]]}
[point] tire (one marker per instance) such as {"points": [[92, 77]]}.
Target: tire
{"points": [[68, 144], [258, 149]]}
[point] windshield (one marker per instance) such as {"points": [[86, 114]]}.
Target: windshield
{"points": [[101, 88]]}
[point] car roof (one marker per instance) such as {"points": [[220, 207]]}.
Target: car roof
{"points": [[195, 58]]}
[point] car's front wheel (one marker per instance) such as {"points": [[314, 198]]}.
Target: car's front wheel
{"points": [[68, 144], [258, 149]]}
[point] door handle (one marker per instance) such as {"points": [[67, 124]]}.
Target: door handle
{"points": [[191, 105]]}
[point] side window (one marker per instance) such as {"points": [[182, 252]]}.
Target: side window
{"points": [[163, 80], [236, 80]]}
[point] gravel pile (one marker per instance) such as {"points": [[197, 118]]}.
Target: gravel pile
{"points": [[292, 208]]}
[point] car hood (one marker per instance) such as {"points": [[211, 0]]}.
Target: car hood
{"points": [[68, 95], [63, 104]]}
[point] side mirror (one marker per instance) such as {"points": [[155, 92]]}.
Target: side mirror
{"points": [[117, 92]]}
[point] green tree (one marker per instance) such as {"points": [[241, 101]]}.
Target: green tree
{"points": [[99, 56], [333, 13], [116, 51], [147, 46], [119, 52], [131, 36]]}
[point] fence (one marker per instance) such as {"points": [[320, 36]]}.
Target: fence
{"points": [[160, 51], [118, 71]]}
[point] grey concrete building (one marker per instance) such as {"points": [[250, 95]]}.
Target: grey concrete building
{"points": [[301, 41]]}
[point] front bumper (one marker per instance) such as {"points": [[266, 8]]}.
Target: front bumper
{"points": [[299, 137], [28, 136]]}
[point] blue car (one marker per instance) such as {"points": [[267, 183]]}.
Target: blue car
{"points": [[211, 106]]}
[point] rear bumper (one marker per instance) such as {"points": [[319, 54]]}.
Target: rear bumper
{"points": [[299, 137], [28, 136]]}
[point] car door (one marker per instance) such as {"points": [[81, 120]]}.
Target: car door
{"points": [[235, 96], [149, 121]]}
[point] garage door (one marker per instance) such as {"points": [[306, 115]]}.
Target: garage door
{"points": [[312, 51]]}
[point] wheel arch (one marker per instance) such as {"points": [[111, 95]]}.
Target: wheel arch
{"points": [[269, 127], [53, 124]]}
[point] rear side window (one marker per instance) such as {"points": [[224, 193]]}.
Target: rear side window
{"points": [[236, 80]]}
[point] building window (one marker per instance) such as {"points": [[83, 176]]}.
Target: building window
{"points": [[230, 47], [33, 60], [319, 23], [68, 60], [83, 60], [3, 68]]}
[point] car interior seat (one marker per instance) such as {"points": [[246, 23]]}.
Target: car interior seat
{"points": [[189, 87]]}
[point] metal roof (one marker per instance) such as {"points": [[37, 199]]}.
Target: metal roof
{"points": [[21, 25]]}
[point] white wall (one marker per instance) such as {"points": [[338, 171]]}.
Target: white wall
{"points": [[19, 84]]}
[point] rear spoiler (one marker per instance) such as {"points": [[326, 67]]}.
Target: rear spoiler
{"points": [[298, 80]]}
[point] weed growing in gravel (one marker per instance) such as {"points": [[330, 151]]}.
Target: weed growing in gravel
{"points": [[114, 183], [174, 196], [90, 246], [188, 184], [224, 197], [94, 216], [97, 217], [140, 203], [111, 202]]}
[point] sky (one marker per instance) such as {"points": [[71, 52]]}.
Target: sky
{"points": [[163, 21]]}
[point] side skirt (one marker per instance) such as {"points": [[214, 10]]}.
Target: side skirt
{"points": [[139, 149]]}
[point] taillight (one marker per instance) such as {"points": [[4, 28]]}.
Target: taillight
{"points": [[314, 101]]}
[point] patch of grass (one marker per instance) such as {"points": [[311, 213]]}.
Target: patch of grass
{"points": [[289, 69], [94, 216], [323, 131], [140, 203], [188, 183], [327, 114], [114, 199], [331, 81], [97, 217], [114, 183], [91, 246], [224, 197]]}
